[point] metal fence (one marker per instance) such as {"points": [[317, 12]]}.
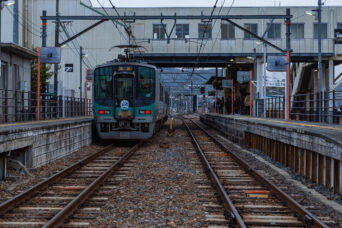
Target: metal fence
{"points": [[324, 107], [21, 106]]}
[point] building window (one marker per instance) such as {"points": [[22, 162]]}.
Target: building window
{"points": [[204, 31], [159, 32], [324, 33], [275, 31], [252, 28], [182, 31], [227, 31], [297, 31], [339, 25]]}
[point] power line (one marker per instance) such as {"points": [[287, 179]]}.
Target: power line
{"points": [[204, 32], [18, 20], [127, 28]]}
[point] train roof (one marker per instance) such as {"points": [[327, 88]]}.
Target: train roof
{"points": [[115, 63]]}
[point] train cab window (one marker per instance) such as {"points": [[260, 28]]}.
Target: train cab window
{"points": [[145, 84], [103, 85], [124, 87]]}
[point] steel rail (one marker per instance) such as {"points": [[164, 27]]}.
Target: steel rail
{"points": [[307, 216], [227, 202], [69, 209], [9, 204]]}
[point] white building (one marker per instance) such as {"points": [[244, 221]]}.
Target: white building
{"points": [[222, 41]]}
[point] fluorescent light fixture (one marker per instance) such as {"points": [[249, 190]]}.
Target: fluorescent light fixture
{"points": [[258, 43], [311, 13], [9, 3]]}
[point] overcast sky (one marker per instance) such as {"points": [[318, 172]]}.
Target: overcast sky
{"points": [[208, 3]]}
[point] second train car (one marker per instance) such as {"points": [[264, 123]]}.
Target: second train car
{"points": [[129, 100]]}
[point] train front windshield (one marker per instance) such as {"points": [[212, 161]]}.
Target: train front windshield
{"points": [[145, 86], [103, 86], [124, 87]]}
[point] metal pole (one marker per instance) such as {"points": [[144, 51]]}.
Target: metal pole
{"points": [[86, 92], [55, 81], [264, 80], [250, 93], [254, 77], [320, 98], [38, 85], [81, 58], [44, 34], [63, 93], [288, 50]]}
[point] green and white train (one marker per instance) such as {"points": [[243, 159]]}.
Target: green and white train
{"points": [[129, 100]]}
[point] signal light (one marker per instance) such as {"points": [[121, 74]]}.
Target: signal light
{"points": [[103, 112], [145, 112], [202, 90]]}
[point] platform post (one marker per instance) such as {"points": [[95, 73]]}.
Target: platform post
{"points": [[250, 94], [232, 97], [86, 93], [340, 177], [288, 49], [38, 85], [330, 91]]}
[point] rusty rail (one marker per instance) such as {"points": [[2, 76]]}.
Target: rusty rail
{"points": [[9, 204], [68, 210], [309, 218], [227, 202]]}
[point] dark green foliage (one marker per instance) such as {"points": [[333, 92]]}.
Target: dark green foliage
{"points": [[45, 75]]}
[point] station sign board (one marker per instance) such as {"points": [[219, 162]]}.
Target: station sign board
{"points": [[212, 93], [50, 55], [276, 63], [227, 84]]}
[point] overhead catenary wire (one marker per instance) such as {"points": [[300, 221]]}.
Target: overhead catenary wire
{"points": [[76, 48], [127, 28], [204, 32]]}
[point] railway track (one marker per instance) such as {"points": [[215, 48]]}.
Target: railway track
{"points": [[72, 196], [248, 199]]}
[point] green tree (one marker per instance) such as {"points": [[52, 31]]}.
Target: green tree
{"points": [[45, 75]]}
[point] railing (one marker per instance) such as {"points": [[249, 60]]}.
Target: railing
{"points": [[324, 107], [21, 106]]}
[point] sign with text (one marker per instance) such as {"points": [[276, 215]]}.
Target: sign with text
{"points": [[227, 84], [50, 55], [212, 93], [276, 63]]}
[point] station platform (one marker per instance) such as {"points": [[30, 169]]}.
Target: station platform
{"points": [[39, 142], [313, 150]]}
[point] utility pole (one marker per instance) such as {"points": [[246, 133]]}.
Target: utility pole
{"points": [[288, 51], [81, 59], [55, 81], [320, 95]]}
